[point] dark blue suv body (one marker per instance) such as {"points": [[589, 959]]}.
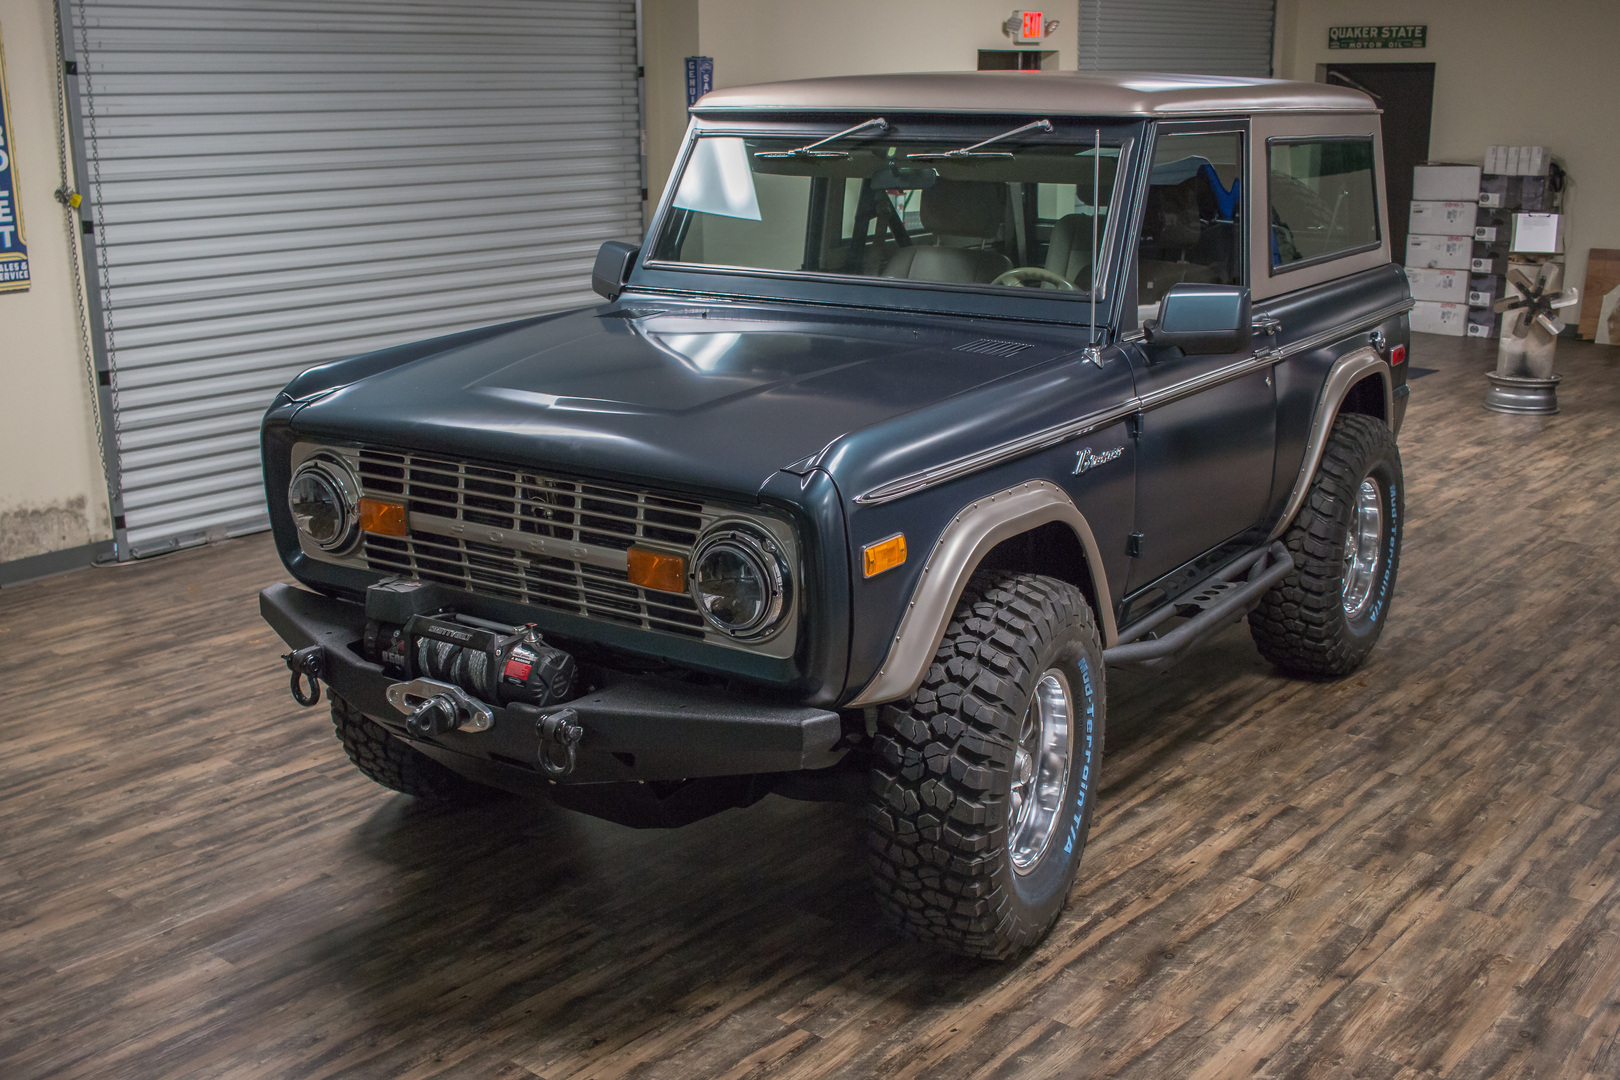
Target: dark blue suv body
{"points": [[924, 400]]}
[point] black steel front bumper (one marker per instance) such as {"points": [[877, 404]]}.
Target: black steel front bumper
{"points": [[635, 728]]}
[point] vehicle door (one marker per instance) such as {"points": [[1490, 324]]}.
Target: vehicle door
{"points": [[1208, 431]]}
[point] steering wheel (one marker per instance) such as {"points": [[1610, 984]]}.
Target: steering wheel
{"points": [[1019, 275]]}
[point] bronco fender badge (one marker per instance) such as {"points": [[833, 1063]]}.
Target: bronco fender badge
{"points": [[1088, 460]]}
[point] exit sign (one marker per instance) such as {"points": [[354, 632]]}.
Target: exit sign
{"points": [[1026, 27]]}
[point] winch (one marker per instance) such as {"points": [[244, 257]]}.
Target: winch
{"points": [[488, 663], [455, 670], [499, 664]]}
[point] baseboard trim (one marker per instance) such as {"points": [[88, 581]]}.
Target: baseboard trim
{"points": [[34, 567]]}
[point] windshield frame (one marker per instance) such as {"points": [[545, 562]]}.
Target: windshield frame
{"points": [[668, 276]]}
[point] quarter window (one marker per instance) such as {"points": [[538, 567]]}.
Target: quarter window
{"points": [[1323, 202]]}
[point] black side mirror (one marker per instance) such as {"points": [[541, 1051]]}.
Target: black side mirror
{"points": [[1202, 319], [612, 269]]}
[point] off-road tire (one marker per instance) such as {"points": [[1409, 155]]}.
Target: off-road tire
{"points": [[395, 764], [939, 802], [1301, 625]]}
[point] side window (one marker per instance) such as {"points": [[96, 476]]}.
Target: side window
{"points": [[1192, 222], [1322, 200]]}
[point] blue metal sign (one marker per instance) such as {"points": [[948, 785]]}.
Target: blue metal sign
{"points": [[13, 249], [699, 78]]}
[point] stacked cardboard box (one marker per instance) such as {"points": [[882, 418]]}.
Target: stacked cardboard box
{"points": [[1516, 217], [1517, 160], [1439, 246]]}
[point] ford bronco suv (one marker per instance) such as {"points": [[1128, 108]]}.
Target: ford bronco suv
{"points": [[926, 399]]}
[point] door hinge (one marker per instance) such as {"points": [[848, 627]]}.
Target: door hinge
{"points": [[1133, 425], [1133, 545]]}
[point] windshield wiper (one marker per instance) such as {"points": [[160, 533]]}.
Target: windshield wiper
{"points": [[811, 150], [974, 151]]}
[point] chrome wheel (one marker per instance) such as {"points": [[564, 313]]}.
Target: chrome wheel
{"points": [[1363, 549], [1040, 772]]}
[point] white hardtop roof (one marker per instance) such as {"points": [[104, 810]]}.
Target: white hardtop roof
{"points": [[1112, 93]]}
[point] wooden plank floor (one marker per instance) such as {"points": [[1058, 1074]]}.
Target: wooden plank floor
{"points": [[1409, 873]]}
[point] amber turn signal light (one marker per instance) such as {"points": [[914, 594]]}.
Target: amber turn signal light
{"points": [[885, 554], [382, 518], [653, 570]]}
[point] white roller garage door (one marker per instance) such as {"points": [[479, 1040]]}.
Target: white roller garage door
{"points": [[275, 184], [1203, 37]]}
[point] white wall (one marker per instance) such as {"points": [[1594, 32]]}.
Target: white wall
{"points": [[1504, 72], [52, 493], [669, 34], [766, 40], [755, 41]]}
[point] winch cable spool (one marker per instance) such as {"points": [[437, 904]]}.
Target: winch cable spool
{"points": [[497, 664], [459, 669]]}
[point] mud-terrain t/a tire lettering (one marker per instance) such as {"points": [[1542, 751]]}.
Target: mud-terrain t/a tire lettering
{"points": [[954, 859]]}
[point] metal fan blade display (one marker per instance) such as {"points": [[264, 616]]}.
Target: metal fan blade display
{"points": [[1537, 302], [1523, 381]]}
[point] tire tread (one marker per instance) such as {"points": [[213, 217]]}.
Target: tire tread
{"points": [[937, 807], [1300, 624], [395, 764]]}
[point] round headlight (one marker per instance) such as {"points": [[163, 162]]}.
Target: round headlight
{"points": [[740, 582], [323, 503]]}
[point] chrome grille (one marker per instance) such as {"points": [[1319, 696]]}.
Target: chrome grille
{"points": [[505, 511]]}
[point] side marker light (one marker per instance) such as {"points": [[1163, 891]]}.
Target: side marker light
{"points": [[1397, 356], [885, 554], [654, 570], [383, 518]]}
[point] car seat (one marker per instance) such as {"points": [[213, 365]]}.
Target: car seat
{"points": [[1068, 253], [1170, 230], [962, 209]]}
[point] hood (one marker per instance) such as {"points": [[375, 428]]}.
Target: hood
{"points": [[716, 398]]}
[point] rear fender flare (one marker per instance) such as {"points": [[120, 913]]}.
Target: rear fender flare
{"points": [[1347, 371]]}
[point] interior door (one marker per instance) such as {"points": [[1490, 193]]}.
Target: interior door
{"points": [[1406, 94], [1205, 458]]}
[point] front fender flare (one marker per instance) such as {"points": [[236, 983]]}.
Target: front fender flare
{"points": [[971, 534]]}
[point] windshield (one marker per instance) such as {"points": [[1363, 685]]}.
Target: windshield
{"points": [[875, 205]]}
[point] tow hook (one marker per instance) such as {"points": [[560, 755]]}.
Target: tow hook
{"points": [[307, 663], [560, 734], [432, 708]]}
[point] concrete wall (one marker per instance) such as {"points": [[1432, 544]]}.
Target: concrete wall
{"points": [[766, 40], [1546, 75], [52, 493]]}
